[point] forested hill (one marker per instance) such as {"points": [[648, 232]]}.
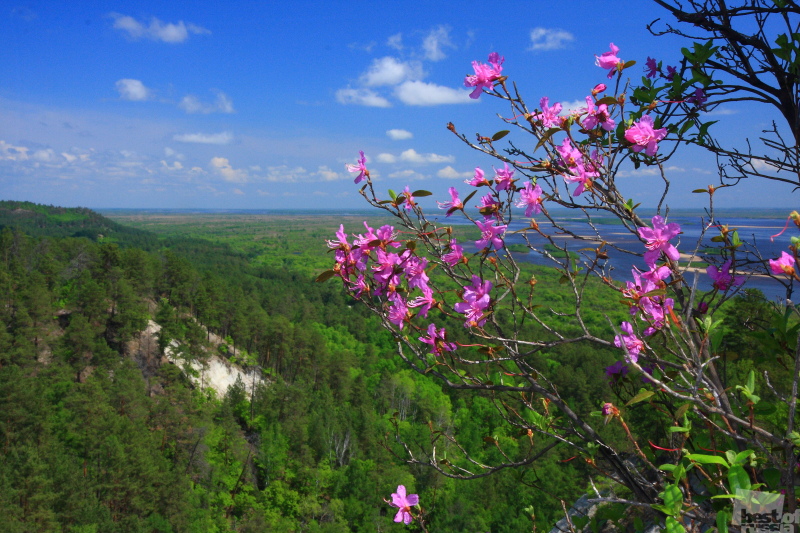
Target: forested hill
{"points": [[99, 433], [40, 221]]}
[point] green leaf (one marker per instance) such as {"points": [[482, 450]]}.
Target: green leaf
{"points": [[500, 134], [469, 197], [546, 137], [751, 382], [421, 193], [392, 194], [673, 526], [723, 517], [673, 499], [607, 100], [738, 478], [772, 476], [629, 64], [707, 459], [325, 276], [642, 396], [677, 429], [680, 411]]}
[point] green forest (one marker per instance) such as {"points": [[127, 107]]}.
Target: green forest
{"points": [[100, 432]]}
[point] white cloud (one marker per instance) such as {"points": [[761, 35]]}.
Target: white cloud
{"points": [[13, 153], [365, 97], [327, 174], [157, 31], [433, 43], [204, 138], [386, 158], [721, 111], [399, 135], [549, 38], [390, 71], [133, 90], [192, 104], [286, 174], [412, 156], [175, 165], [237, 191], [648, 171], [408, 175], [44, 155], [395, 41], [223, 167], [569, 107], [449, 172], [427, 94]]}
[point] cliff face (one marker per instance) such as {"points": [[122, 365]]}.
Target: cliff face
{"points": [[216, 372]]}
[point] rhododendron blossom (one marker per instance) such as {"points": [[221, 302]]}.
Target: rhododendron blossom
{"points": [[436, 338], [454, 256], [531, 199], [597, 116], [609, 60], [485, 75], [549, 117], [490, 233], [404, 504], [657, 240], [783, 265], [644, 137], [632, 344], [722, 278], [651, 68], [477, 180], [360, 167], [454, 204], [503, 178]]}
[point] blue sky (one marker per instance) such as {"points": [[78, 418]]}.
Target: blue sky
{"points": [[262, 104]]}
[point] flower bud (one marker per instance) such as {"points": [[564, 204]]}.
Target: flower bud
{"points": [[600, 87]]}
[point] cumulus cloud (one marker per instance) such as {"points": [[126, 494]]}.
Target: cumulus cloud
{"points": [[449, 172], [224, 137], [412, 156], [223, 167], [157, 30], [386, 158], [192, 104], [326, 174], [435, 41], [365, 97], [648, 171], [133, 90], [408, 175], [570, 106], [399, 135], [549, 38], [390, 71], [428, 94]]}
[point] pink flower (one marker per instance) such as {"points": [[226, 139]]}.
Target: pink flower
{"points": [[657, 240], [583, 177], [616, 372], [398, 313], [671, 71], [454, 204], [549, 117], [597, 115], [609, 60], [600, 87], [632, 344], [489, 206], [476, 300], [453, 257], [699, 97], [490, 233], [723, 280], [651, 68], [404, 504], [531, 199], [478, 179], [783, 265], [408, 199], [360, 167], [644, 137], [485, 75], [503, 178], [570, 156], [436, 338], [424, 302]]}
